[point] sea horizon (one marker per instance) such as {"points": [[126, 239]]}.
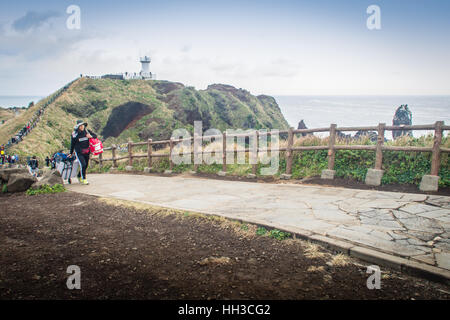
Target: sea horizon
{"points": [[10, 101]]}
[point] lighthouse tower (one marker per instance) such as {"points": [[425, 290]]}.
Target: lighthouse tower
{"points": [[145, 71]]}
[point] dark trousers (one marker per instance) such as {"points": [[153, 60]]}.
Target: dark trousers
{"points": [[83, 159]]}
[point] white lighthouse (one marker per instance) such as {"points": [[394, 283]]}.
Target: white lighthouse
{"points": [[145, 71]]}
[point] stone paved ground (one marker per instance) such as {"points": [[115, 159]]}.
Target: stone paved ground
{"points": [[412, 226]]}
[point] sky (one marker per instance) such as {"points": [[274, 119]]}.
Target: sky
{"points": [[320, 47]]}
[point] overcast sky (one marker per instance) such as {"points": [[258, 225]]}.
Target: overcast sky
{"points": [[273, 47]]}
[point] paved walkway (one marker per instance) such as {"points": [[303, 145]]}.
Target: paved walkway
{"points": [[412, 226]]}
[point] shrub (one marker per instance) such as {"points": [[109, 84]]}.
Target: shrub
{"points": [[261, 231], [279, 235], [45, 189]]}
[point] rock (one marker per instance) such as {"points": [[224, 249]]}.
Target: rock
{"points": [[403, 116], [327, 174], [19, 182], [45, 170], [50, 178], [6, 173], [302, 125], [341, 135], [373, 136]]}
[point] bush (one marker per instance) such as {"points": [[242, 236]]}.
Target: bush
{"points": [[261, 231], [279, 235], [45, 189]]}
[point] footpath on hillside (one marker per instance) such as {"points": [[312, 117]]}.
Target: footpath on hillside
{"points": [[406, 231]]}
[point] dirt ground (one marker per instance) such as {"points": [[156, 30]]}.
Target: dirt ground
{"points": [[134, 251]]}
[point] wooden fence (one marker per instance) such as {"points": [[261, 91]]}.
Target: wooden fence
{"points": [[436, 149]]}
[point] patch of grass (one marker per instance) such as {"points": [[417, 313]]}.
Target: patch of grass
{"points": [[46, 189], [316, 269], [274, 233], [340, 260], [313, 251], [244, 226], [279, 235], [261, 231]]}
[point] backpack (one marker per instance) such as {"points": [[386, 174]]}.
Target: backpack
{"points": [[59, 156], [33, 164], [96, 146]]}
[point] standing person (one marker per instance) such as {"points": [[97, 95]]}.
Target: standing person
{"points": [[80, 147], [47, 161], [33, 166]]}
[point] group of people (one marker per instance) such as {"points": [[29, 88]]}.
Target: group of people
{"points": [[79, 151], [6, 158], [35, 119], [26, 129]]}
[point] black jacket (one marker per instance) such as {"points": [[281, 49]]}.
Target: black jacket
{"points": [[80, 141], [33, 163]]}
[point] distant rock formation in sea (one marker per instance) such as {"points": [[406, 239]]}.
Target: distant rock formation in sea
{"points": [[402, 116], [302, 125]]}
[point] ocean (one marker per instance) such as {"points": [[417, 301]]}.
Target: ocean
{"points": [[350, 111], [17, 101]]}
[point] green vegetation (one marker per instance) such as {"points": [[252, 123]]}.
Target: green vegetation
{"points": [[399, 167], [261, 231], [4, 188], [274, 233], [244, 227], [279, 235], [45, 189]]}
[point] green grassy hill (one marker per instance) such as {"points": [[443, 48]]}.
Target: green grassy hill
{"points": [[118, 110]]}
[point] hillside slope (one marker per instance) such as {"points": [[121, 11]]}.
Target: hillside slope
{"points": [[9, 113], [118, 110]]}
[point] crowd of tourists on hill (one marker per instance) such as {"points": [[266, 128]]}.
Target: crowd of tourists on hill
{"points": [[35, 119]]}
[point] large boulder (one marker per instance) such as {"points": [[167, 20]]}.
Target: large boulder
{"points": [[6, 173], [19, 182], [50, 178]]}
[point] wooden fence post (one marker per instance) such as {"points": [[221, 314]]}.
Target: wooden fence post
{"points": [[331, 151], [289, 153], [255, 165], [114, 155], [436, 156], [170, 154], [130, 153], [149, 152], [224, 151], [100, 160], [380, 142]]}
